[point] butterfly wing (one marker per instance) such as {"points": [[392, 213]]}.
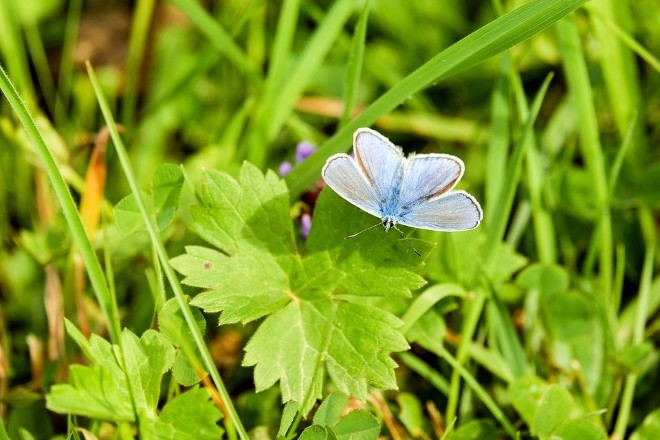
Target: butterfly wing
{"points": [[427, 177], [381, 163], [341, 173], [455, 211]]}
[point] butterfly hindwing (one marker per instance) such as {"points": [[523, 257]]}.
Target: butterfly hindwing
{"points": [[455, 211]]}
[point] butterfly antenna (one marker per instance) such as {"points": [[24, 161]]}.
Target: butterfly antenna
{"points": [[406, 240], [358, 233]]}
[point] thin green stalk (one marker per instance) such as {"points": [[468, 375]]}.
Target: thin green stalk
{"points": [[618, 65], [580, 89], [69, 209], [159, 246], [613, 178], [429, 373], [41, 67], [467, 333], [354, 65], [499, 216], [256, 40], [281, 50], [644, 295], [65, 78], [139, 31], [220, 38], [544, 229], [499, 135], [13, 50], [626, 38], [480, 391]]}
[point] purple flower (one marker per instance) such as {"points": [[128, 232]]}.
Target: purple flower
{"points": [[305, 225], [285, 168], [304, 150]]}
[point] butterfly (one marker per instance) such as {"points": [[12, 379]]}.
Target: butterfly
{"points": [[413, 191]]}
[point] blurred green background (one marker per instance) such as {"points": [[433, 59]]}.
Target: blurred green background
{"points": [[212, 84]]}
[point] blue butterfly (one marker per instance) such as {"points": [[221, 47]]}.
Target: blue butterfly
{"points": [[414, 191]]}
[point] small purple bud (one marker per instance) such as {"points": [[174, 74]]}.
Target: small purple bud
{"points": [[305, 225], [285, 168], [303, 151]]}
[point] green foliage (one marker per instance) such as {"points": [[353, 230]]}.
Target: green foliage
{"points": [[123, 385], [173, 326], [550, 411], [309, 300], [475, 430], [162, 203], [330, 424]]}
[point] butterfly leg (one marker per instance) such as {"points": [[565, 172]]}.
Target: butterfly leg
{"points": [[403, 236]]}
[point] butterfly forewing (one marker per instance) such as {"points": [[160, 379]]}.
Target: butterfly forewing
{"points": [[381, 163], [428, 176], [455, 211], [342, 175]]}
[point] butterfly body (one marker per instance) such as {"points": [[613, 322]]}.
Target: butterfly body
{"points": [[413, 191]]}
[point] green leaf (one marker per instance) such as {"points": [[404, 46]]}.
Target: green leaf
{"points": [[374, 263], [316, 432], [357, 425], [649, 428], [173, 326], [428, 299], [146, 360], [569, 315], [288, 415], [428, 331], [579, 429], [105, 391], [125, 382], [525, 392], [241, 218], [331, 409], [475, 430], [189, 416], [183, 372], [411, 414], [127, 213], [553, 408], [230, 279], [507, 262], [546, 278], [166, 185], [314, 301], [100, 391], [636, 358]]}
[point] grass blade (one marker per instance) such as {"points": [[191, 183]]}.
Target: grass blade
{"points": [[354, 65]]}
